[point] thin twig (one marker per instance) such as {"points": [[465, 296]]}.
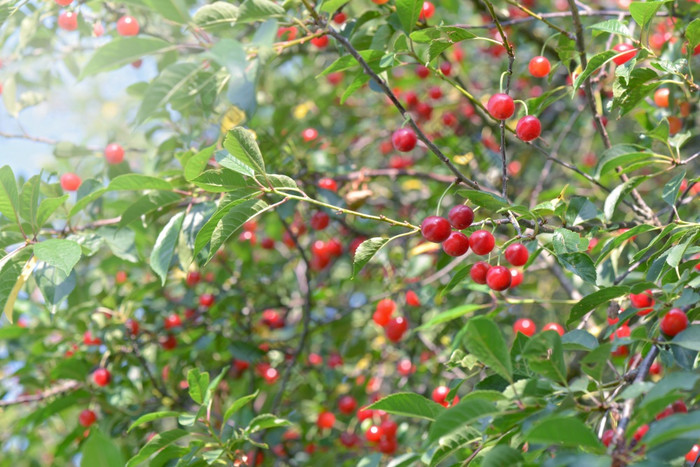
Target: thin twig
{"points": [[60, 388]]}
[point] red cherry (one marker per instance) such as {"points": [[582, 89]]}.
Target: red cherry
{"points": [[528, 128], [389, 428], [674, 322], [328, 184], [193, 278], [679, 407], [70, 181], [641, 431], [63, 2], [132, 326], [524, 325], [440, 393], [516, 278], [267, 243], [422, 71], [272, 319], [661, 97], [404, 139], [655, 368], [405, 367], [424, 110], [446, 68], [411, 99], [120, 277], [335, 78], [363, 414], [309, 134], [347, 405], [355, 244], [319, 220], [396, 328], [498, 278], [87, 417], [320, 42], [271, 375], [387, 445], [325, 420], [435, 229], [68, 20], [315, 359], [287, 34], [89, 339], [624, 57], [334, 360], [461, 217], [427, 11], [349, 439], [481, 242], [554, 327], [435, 92], [101, 377], [456, 244], [449, 119], [608, 437], [373, 434], [172, 321], [517, 254], [340, 17], [114, 153], [98, 29], [127, 26], [412, 298], [478, 271], [206, 300], [539, 66], [642, 300], [692, 455], [501, 106]]}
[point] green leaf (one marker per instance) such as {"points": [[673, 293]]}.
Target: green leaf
{"points": [[643, 12], [330, 6], [591, 301], [545, 356], [578, 339], [171, 81], [483, 339], [9, 95], [451, 314], [501, 456], [564, 430], [241, 144], [672, 189], [63, 254], [618, 194], [580, 210], [216, 14], [258, 10], [157, 443], [688, 339], [198, 383], [11, 270], [197, 163], [365, 252], [238, 405], [228, 161], [679, 425], [580, 264], [675, 254], [120, 241], [613, 26], [692, 33], [47, 207], [137, 182], [148, 203], [266, 421], [484, 199], [149, 417], [348, 61], [29, 200], [100, 450], [173, 10], [122, 51], [410, 405], [408, 12], [234, 220], [453, 420], [565, 241], [620, 239], [594, 63], [222, 181], [164, 248], [9, 197]]}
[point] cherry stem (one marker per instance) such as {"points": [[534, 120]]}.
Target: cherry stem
{"points": [[500, 86], [527, 112], [444, 193], [544, 46]]}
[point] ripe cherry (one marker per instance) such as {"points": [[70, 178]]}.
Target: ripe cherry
{"points": [[439, 395], [642, 300], [328, 184], [424, 110], [89, 339], [435, 229], [693, 454], [446, 68], [101, 377], [386, 307], [524, 325], [309, 134], [498, 278], [624, 57], [87, 417], [422, 71], [456, 244], [272, 319], [554, 327], [127, 26], [661, 97], [206, 300], [449, 119], [319, 220], [389, 428], [608, 437], [287, 33], [172, 321], [412, 298], [325, 420], [132, 326], [349, 439], [270, 375], [655, 368], [517, 254], [516, 278], [70, 181], [320, 42], [478, 272], [675, 125], [481, 242], [347, 405], [404, 139], [340, 17], [395, 328], [364, 413], [68, 20], [674, 322], [461, 217], [98, 29], [193, 278], [539, 66], [405, 367], [427, 11], [114, 153], [373, 434], [528, 128], [63, 2], [501, 106], [334, 360], [435, 92], [641, 431]]}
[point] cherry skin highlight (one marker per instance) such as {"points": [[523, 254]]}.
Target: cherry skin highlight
{"points": [[498, 278], [528, 128], [404, 139], [525, 326], [461, 217], [501, 106], [435, 229], [482, 242]]}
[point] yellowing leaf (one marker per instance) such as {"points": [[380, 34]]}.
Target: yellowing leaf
{"points": [[424, 248], [233, 117], [301, 110], [412, 185], [463, 159], [12, 297]]}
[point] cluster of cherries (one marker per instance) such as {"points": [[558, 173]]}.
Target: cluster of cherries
{"points": [[114, 154], [381, 433], [397, 326], [68, 21]]}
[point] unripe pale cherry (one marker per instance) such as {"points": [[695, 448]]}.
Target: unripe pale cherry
{"points": [[517, 254], [404, 139], [435, 229], [674, 322], [481, 242], [528, 128], [114, 153], [498, 278], [461, 217], [127, 26], [525, 326], [501, 106], [456, 244], [539, 66], [478, 272]]}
